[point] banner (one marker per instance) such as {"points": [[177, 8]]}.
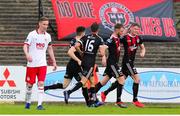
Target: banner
{"points": [[154, 16], [158, 85]]}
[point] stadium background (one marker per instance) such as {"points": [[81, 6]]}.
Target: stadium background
{"points": [[18, 17]]}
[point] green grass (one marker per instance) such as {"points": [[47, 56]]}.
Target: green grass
{"points": [[80, 108]]}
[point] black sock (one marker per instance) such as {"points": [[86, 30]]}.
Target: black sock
{"points": [[98, 87], [76, 87], [55, 86], [112, 87], [92, 90], [85, 94], [119, 92], [135, 91], [89, 93]]}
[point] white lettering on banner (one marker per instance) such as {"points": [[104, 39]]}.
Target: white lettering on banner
{"points": [[154, 86]]}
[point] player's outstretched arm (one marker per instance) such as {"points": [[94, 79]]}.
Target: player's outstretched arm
{"points": [[143, 50], [51, 54]]}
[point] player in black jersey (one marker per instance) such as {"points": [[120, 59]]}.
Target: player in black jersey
{"points": [[112, 68], [91, 43], [131, 41], [72, 68]]}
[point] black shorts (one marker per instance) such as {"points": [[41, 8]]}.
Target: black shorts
{"points": [[128, 69], [86, 71], [112, 71], [72, 70]]}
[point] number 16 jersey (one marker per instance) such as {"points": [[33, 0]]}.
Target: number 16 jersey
{"points": [[91, 44]]}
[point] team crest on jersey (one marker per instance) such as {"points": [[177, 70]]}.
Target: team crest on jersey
{"points": [[138, 40], [112, 13]]}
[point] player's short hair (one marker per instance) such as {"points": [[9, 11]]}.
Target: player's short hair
{"points": [[80, 29], [133, 24], [43, 19], [94, 27], [118, 26]]}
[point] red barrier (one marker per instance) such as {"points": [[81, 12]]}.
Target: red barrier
{"points": [[21, 44], [176, 0]]}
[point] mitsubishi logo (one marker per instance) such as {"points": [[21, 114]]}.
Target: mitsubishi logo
{"points": [[6, 74]]}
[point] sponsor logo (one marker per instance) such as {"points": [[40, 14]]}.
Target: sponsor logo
{"points": [[6, 75], [8, 88], [157, 85], [112, 13], [40, 45]]}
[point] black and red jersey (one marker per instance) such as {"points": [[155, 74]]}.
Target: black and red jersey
{"points": [[113, 44], [130, 44]]}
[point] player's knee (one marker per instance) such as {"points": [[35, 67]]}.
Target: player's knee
{"points": [[40, 84], [29, 85], [121, 80], [102, 83], [105, 80], [137, 80], [83, 80], [92, 85], [65, 86], [29, 89]]}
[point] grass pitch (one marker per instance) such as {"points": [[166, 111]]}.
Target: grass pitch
{"points": [[80, 108]]}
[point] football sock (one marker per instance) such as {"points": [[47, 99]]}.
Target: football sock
{"points": [[40, 95], [55, 86], [92, 90], [98, 87], [85, 94], [76, 87], [28, 94], [135, 91], [119, 92], [112, 87]]}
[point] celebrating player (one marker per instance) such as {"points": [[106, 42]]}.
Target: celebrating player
{"points": [[72, 68], [130, 42], [91, 43]]}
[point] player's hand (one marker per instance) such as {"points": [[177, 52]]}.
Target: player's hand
{"points": [[142, 54], [29, 58], [79, 62], [55, 66]]}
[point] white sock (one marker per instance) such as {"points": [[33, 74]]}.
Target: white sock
{"points": [[40, 95], [28, 94]]}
